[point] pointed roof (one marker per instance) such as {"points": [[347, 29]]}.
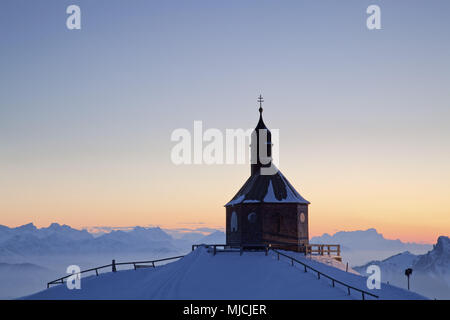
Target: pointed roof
{"points": [[267, 189], [261, 124]]}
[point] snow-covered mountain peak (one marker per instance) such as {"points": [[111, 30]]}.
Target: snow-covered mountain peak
{"points": [[438, 259], [26, 227], [57, 226], [404, 253], [153, 233], [443, 245]]}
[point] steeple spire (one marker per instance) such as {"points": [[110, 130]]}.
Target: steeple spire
{"points": [[262, 137]]}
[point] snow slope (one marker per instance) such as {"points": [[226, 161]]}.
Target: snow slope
{"points": [[201, 275], [392, 267]]}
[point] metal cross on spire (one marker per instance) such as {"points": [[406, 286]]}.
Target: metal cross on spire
{"points": [[260, 100]]}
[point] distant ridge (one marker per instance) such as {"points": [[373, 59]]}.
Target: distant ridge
{"points": [[369, 239], [56, 239]]}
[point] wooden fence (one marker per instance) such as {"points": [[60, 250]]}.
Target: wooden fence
{"points": [[266, 248], [113, 266], [227, 248], [319, 274], [322, 249]]}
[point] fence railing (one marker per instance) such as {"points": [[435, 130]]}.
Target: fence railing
{"points": [[266, 248], [322, 249], [319, 249], [113, 266], [225, 248], [232, 248], [319, 274]]}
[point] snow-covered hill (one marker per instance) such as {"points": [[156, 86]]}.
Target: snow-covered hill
{"points": [[58, 246], [202, 275], [431, 271]]}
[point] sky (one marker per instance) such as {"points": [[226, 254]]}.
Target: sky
{"points": [[86, 115]]}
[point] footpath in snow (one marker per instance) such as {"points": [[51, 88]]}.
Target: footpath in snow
{"points": [[226, 275]]}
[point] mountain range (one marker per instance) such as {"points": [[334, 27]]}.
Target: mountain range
{"points": [[368, 239], [28, 240], [431, 271], [361, 246], [358, 246]]}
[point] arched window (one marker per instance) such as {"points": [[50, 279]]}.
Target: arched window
{"points": [[234, 222], [279, 223], [252, 217]]}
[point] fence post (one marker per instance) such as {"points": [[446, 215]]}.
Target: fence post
{"points": [[114, 266], [318, 275], [214, 250], [348, 288], [240, 252], [96, 272], [305, 269], [292, 262], [153, 264], [346, 267], [134, 265], [278, 255], [48, 285], [362, 295], [333, 282]]}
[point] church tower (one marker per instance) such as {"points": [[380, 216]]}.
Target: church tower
{"points": [[267, 209]]}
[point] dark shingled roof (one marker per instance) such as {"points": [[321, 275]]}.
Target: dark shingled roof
{"points": [[267, 189]]}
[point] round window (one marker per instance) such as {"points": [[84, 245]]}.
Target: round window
{"points": [[252, 217], [302, 217]]}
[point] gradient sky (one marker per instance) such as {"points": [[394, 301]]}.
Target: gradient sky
{"points": [[86, 116]]}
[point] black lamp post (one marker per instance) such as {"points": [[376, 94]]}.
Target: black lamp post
{"points": [[408, 272]]}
